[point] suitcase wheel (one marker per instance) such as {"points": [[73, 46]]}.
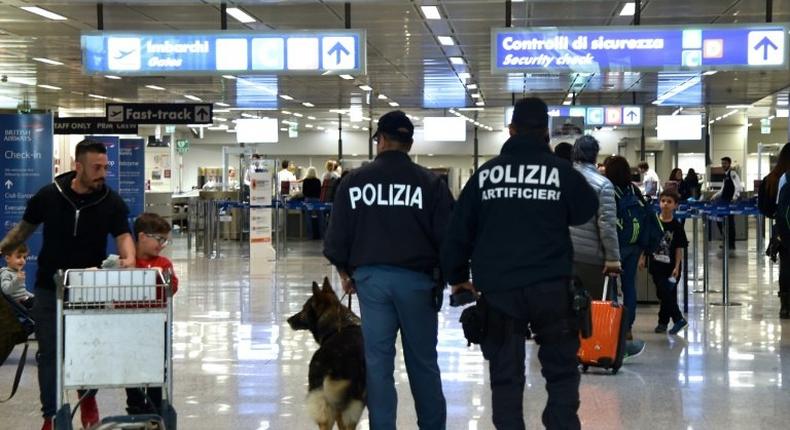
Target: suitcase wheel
{"points": [[614, 370], [585, 368]]}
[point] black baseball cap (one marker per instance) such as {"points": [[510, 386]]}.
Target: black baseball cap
{"points": [[397, 125], [530, 112]]}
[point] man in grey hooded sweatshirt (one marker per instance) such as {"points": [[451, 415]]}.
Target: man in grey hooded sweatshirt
{"points": [[596, 249]]}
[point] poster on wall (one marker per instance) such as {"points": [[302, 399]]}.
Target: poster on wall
{"points": [[113, 179], [27, 167], [132, 175], [262, 252]]}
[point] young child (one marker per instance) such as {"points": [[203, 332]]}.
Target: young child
{"points": [[665, 264], [153, 234], [12, 277]]}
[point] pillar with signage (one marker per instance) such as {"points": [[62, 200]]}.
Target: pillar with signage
{"points": [[27, 167], [262, 253], [132, 176]]}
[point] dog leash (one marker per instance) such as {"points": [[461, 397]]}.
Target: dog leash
{"points": [[349, 299]]}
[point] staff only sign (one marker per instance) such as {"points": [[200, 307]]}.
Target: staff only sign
{"points": [[720, 47]]}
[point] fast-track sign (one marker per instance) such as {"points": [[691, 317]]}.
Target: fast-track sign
{"points": [[640, 48], [160, 113]]}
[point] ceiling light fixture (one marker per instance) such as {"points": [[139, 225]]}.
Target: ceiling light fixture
{"points": [[240, 15], [191, 97], [221, 104], [50, 87], [155, 87], [464, 76], [710, 72], [96, 96], [298, 115], [394, 104], [231, 77], [480, 103], [43, 12], [113, 77], [308, 104], [629, 9], [311, 118], [431, 12], [382, 97], [47, 61], [471, 86], [286, 112], [475, 95], [446, 40], [221, 119], [738, 106], [365, 88], [458, 61], [783, 113], [286, 97], [22, 81], [346, 77]]}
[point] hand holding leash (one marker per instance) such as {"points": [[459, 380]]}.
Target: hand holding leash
{"points": [[349, 287]]}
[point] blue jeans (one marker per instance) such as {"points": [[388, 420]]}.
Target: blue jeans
{"points": [[629, 259], [392, 299]]}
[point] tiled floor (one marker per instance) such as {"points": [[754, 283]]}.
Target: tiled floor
{"points": [[239, 366]]}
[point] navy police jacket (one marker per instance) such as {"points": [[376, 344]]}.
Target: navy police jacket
{"points": [[390, 212], [512, 219]]}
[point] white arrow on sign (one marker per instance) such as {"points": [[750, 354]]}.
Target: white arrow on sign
{"points": [[632, 115], [338, 53], [766, 48], [115, 113], [8, 184]]}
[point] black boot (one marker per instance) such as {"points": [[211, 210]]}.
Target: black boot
{"points": [[784, 310]]}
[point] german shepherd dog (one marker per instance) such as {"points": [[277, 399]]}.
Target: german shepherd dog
{"points": [[336, 378]]}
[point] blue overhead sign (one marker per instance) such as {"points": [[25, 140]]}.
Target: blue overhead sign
{"points": [[617, 116], [702, 47], [295, 52]]}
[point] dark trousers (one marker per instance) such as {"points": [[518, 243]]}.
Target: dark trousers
{"points": [[667, 293], [731, 230], [546, 307], [43, 313], [784, 268], [137, 402]]}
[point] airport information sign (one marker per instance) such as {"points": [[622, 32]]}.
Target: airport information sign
{"points": [[639, 48], [620, 116], [294, 52], [160, 113]]}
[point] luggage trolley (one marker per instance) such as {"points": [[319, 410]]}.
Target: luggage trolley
{"points": [[114, 331]]}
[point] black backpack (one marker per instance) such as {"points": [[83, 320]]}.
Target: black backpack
{"points": [[15, 328]]}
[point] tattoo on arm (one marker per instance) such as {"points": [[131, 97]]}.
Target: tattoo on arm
{"points": [[19, 234]]}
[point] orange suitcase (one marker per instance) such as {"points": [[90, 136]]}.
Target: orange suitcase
{"points": [[606, 347]]}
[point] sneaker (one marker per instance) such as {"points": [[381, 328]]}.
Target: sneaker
{"points": [[661, 328], [634, 348], [678, 326], [47, 424], [89, 412]]}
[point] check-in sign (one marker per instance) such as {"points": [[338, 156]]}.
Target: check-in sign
{"points": [[642, 48], [291, 52], [160, 113]]}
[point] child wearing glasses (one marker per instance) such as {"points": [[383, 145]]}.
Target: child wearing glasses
{"points": [[152, 234]]}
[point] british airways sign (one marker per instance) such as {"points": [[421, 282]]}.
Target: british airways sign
{"points": [[642, 48]]}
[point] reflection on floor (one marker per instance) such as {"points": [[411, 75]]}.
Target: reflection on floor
{"points": [[239, 366]]}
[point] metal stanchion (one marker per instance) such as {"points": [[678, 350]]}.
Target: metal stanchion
{"points": [[695, 247], [285, 228], [725, 275], [685, 280], [760, 236], [705, 252]]}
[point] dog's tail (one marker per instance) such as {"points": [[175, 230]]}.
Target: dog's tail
{"points": [[336, 391]]}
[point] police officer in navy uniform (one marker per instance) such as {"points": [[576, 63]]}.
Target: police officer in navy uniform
{"points": [[387, 224], [512, 221]]}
